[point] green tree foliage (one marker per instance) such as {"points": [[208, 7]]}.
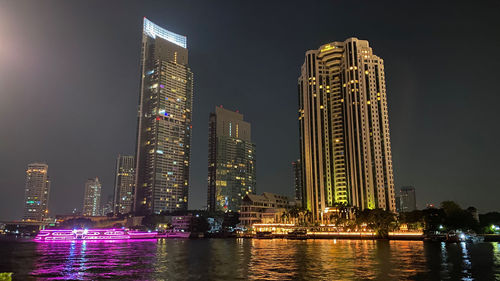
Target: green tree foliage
{"points": [[486, 220], [457, 218], [381, 221], [450, 216], [414, 219], [5, 276]]}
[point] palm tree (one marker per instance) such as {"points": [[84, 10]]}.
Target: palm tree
{"points": [[284, 216], [294, 213]]}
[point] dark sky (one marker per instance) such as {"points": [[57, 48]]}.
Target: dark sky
{"points": [[69, 80]]}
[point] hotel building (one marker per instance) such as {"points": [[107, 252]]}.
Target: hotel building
{"points": [[92, 198], [124, 184], [164, 122], [266, 208], [36, 192], [344, 129], [231, 161]]}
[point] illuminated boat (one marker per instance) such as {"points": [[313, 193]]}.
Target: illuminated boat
{"points": [[92, 234], [174, 234]]}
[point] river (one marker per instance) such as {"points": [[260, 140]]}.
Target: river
{"points": [[250, 259]]}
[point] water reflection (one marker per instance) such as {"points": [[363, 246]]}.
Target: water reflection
{"points": [[81, 260], [247, 259]]}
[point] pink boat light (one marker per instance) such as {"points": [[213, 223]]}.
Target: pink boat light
{"points": [[92, 234]]}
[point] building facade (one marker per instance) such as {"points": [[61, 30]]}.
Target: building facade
{"points": [[36, 192], [344, 129], [92, 198], [164, 122], [107, 206], [231, 161], [265, 208], [297, 180], [407, 200], [123, 196]]}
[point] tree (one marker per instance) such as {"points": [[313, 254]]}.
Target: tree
{"points": [[152, 220], [433, 219], [199, 223], [414, 219], [457, 218], [381, 221], [450, 207], [489, 219], [230, 220]]}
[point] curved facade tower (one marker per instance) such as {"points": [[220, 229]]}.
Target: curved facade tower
{"points": [[164, 122], [344, 129]]}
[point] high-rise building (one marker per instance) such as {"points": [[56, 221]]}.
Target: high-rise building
{"points": [[407, 200], [107, 206], [36, 192], [344, 129], [164, 122], [297, 180], [231, 161], [92, 198], [124, 184]]}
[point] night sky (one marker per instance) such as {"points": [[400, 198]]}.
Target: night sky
{"points": [[69, 86]]}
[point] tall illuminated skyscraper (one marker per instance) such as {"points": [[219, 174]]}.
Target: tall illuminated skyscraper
{"points": [[92, 198], [124, 184], [164, 122], [36, 192], [231, 161], [344, 129]]}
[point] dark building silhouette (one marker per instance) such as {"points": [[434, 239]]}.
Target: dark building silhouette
{"points": [[231, 161]]}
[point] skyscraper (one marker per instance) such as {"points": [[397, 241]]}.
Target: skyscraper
{"points": [[164, 122], [92, 198], [297, 180], [124, 184], [344, 128], [407, 199], [231, 161], [36, 192]]}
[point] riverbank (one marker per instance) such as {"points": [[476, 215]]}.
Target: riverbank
{"points": [[337, 235]]}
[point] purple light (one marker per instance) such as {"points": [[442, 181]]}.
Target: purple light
{"points": [[52, 235]]}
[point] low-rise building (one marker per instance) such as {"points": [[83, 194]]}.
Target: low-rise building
{"points": [[182, 223], [178, 223], [265, 208]]}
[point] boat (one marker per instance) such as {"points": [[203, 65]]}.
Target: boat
{"points": [[297, 234], [264, 235], [92, 234], [455, 237], [174, 234], [472, 237]]}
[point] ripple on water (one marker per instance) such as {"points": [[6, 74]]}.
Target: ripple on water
{"points": [[251, 259]]}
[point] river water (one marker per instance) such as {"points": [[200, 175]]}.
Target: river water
{"points": [[250, 259]]}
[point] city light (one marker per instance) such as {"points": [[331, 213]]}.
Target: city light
{"points": [[92, 234], [154, 30]]}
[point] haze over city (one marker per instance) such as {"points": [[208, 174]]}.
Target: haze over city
{"points": [[69, 89]]}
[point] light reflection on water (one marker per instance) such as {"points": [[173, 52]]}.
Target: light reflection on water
{"points": [[251, 259]]}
